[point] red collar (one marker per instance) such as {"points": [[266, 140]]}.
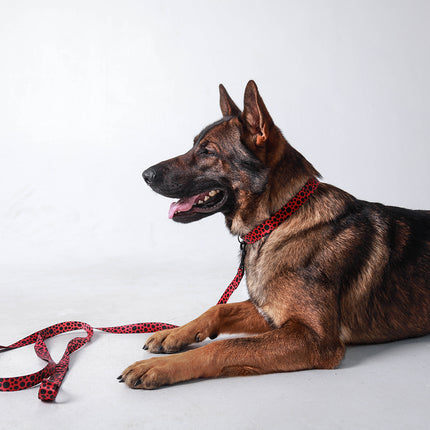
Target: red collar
{"points": [[265, 228]]}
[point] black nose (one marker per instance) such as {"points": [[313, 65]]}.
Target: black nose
{"points": [[149, 175]]}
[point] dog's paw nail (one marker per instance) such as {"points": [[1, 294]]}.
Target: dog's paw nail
{"points": [[136, 383], [213, 336], [197, 338], [119, 377], [145, 347], [160, 348]]}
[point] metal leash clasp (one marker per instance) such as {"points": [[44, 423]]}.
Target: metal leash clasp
{"points": [[243, 252]]}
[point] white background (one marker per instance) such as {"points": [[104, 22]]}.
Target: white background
{"points": [[94, 92]]}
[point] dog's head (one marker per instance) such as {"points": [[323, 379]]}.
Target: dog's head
{"points": [[230, 165]]}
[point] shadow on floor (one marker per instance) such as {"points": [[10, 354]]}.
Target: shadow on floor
{"points": [[358, 354]]}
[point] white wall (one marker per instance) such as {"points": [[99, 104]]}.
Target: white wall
{"points": [[93, 92]]}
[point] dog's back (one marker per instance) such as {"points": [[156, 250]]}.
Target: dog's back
{"points": [[374, 259], [383, 259]]}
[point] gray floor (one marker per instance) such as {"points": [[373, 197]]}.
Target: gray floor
{"points": [[376, 387]]}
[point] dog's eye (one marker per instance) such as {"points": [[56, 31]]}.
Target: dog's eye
{"points": [[206, 151]]}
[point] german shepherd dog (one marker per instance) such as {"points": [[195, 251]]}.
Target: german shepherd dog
{"points": [[339, 271]]}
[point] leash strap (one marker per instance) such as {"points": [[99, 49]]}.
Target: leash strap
{"points": [[52, 375]]}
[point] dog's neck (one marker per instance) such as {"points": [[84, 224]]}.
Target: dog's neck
{"points": [[261, 209], [287, 175], [293, 205]]}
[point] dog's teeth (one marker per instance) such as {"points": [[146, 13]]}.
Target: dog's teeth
{"points": [[207, 198], [217, 191], [200, 202], [212, 193]]}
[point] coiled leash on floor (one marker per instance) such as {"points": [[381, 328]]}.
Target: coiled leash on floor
{"points": [[51, 376]]}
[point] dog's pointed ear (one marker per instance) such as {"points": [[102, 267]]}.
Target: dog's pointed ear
{"points": [[228, 106], [255, 114]]}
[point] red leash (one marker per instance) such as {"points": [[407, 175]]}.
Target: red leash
{"points": [[51, 376]]}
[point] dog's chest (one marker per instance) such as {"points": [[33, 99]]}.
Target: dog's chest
{"points": [[256, 275], [270, 282]]}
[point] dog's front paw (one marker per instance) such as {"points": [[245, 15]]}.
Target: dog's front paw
{"points": [[146, 374], [176, 339], [173, 340], [156, 372], [169, 341]]}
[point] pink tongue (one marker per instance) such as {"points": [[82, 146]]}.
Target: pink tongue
{"points": [[182, 205]]}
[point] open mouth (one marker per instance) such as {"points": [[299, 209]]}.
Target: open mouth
{"points": [[195, 207]]}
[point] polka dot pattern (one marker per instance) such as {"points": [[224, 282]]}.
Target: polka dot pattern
{"points": [[51, 376], [230, 289], [148, 327], [284, 213]]}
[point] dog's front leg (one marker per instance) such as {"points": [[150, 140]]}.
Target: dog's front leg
{"points": [[240, 317], [291, 347]]}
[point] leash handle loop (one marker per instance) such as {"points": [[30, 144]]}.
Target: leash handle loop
{"points": [[52, 375]]}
